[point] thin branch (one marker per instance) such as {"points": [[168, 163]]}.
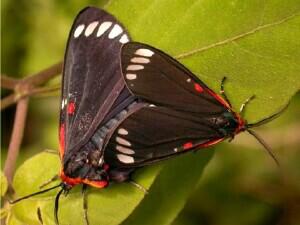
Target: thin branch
{"points": [[8, 101], [22, 90], [43, 90], [44, 75], [8, 82], [16, 138]]}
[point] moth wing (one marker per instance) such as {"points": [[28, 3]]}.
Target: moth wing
{"points": [[155, 133], [158, 78], [92, 78]]}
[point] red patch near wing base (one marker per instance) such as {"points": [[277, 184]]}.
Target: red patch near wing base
{"points": [[71, 108], [187, 145], [198, 87], [75, 181]]}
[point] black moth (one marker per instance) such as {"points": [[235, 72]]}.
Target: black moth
{"points": [[125, 105]]}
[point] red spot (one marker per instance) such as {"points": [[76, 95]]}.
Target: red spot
{"points": [[106, 167], [187, 145], [77, 180], [71, 108], [198, 87]]}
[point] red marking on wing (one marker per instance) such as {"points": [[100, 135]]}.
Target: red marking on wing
{"points": [[219, 98], [210, 143], [106, 167], [187, 145], [74, 181], [62, 140], [241, 122], [71, 108], [198, 87]]}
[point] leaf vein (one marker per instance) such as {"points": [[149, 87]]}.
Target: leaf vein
{"points": [[234, 38]]}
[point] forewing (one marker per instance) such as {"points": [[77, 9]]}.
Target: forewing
{"points": [[156, 77], [156, 133], [91, 77]]}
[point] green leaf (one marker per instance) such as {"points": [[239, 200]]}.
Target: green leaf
{"points": [[171, 189], [254, 43], [3, 183], [114, 204]]}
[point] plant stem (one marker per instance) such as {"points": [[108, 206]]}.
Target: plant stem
{"points": [[44, 75], [16, 139]]}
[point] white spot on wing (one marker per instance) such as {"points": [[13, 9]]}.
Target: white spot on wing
{"points": [[124, 39], [124, 150], [130, 76], [135, 67], [125, 158], [64, 103], [103, 27], [78, 30], [144, 52], [175, 149], [140, 60], [90, 28], [151, 105], [115, 31], [122, 141], [122, 131], [188, 80]]}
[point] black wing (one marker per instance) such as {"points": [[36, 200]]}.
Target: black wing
{"points": [[158, 78], [155, 133], [92, 80], [182, 114]]}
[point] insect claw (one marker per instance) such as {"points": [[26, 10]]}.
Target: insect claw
{"points": [[139, 186], [245, 103], [51, 151], [222, 91]]}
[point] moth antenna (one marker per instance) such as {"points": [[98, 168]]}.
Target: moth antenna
{"points": [[33, 194], [56, 206], [268, 119], [264, 144]]}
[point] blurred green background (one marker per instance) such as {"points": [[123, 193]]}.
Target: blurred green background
{"points": [[240, 185]]}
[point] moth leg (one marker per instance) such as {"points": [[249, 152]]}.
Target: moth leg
{"points": [[140, 187], [222, 91], [242, 108], [56, 177], [85, 205], [39, 215]]}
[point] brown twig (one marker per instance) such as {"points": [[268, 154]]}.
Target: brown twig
{"points": [[8, 82], [23, 89], [16, 138], [42, 90], [44, 75], [8, 101]]}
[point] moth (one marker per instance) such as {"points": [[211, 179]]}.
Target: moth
{"points": [[126, 105]]}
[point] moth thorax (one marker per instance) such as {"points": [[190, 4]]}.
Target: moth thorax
{"points": [[226, 123]]}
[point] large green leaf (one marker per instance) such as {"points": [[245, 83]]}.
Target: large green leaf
{"points": [[3, 184], [114, 204], [171, 189], [254, 43]]}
